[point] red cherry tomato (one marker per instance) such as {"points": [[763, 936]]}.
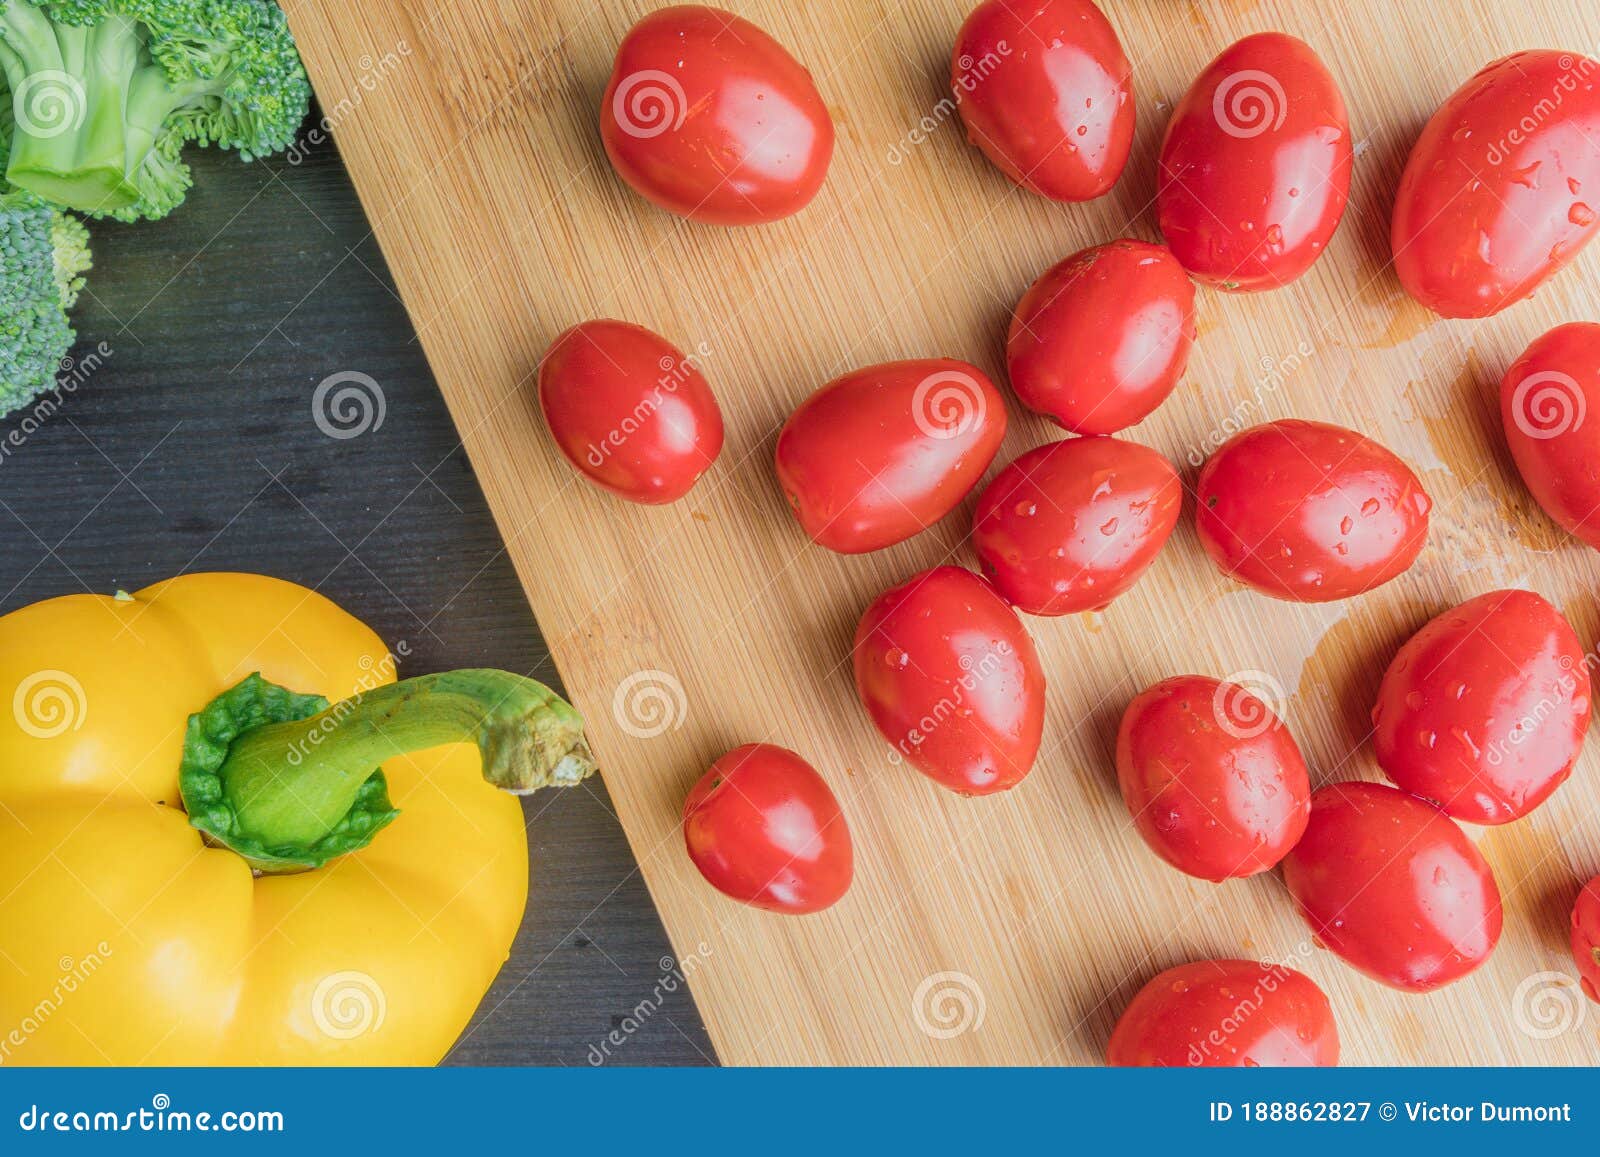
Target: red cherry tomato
{"points": [[1046, 93], [1586, 938], [629, 410], [1226, 1014], [950, 677], [1550, 405], [1255, 166], [1071, 525], [1213, 779], [763, 827], [1310, 512], [1391, 884], [1502, 188], [712, 119], [1484, 710], [883, 453], [1101, 339]]}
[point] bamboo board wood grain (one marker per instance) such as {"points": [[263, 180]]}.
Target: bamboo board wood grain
{"points": [[1011, 929]]}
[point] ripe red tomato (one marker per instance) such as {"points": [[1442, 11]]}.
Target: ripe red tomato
{"points": [[1546, 399], [1255, 166], [1071, 525], [1046, 92], [1310, 512], [1226, 1014], [629, 410], [1484, 710], [1213, 779], [1503, 186], [712, 119], [950, 677], [883, 453], [1391, 884], [763, 827], [1586, 938], [1100, 340]]}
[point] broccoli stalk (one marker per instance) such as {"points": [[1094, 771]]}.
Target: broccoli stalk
{"points": [[43, 256], [106, 92]]}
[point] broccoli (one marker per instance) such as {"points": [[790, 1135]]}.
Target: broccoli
{"points": [[105, 93], [43, 255]]}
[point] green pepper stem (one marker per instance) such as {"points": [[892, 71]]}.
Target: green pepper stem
{"points": [[291, 783]]}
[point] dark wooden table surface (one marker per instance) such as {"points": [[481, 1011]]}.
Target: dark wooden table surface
{"points": [[194, 447]]}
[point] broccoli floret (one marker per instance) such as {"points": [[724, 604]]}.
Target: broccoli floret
{"points": [[43, 256], [105, 93]]}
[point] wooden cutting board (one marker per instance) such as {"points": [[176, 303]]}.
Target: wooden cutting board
{"points": [[1003, 930]]}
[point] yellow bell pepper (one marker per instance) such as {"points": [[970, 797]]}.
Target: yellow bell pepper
{"points": [[278, 934]]}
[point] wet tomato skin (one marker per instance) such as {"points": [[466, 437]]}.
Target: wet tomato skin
{"points": [[1502, 189], [629, 410], [1484, 710], [1586, 938], [950, 677], [764, 828], [1550, 406], [1101, 339], [1310, 512], [1189, 1017], [1213, 780], [1071, 525], [1255, 165], [884, 452], [1046, 93], [1391, 884], [710, 118]]}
